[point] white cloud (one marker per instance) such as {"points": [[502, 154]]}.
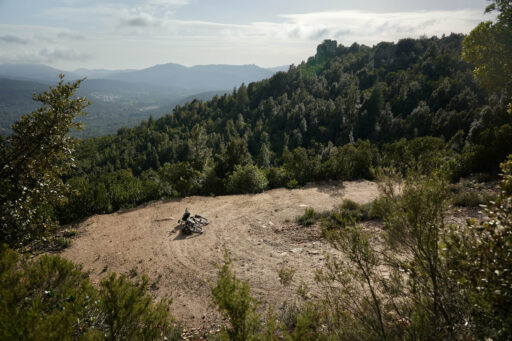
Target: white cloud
{"points": [[56, 54], [139, 20], [347, 26], [13, 39], [371, 28], [140, 35], [70, 36]]}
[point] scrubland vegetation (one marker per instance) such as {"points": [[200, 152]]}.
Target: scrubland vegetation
{"points": [[427, 281], [414, 107]]}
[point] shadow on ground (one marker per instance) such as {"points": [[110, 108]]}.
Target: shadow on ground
{"points": [[180, 235]]}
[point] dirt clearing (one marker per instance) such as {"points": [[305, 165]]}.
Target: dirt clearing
{"points": [[146, 240]]}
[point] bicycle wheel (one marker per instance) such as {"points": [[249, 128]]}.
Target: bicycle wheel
{"points": [[198, 228], [201, 220]]}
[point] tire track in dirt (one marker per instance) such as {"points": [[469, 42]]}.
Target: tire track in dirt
{"points": [[146, 239]]}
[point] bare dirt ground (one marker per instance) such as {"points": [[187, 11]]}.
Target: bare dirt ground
{"points": [[254, 228]]}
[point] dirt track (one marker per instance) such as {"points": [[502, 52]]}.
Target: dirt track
{"points": [[251, 227]]}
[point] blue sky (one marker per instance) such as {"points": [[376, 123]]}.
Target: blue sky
{"points": [[119, 34]]}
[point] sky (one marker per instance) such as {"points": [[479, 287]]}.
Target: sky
{"points": [[134, 34]]}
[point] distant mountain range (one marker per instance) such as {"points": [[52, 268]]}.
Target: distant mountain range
{"points": [[199, 77], [122, 97]]}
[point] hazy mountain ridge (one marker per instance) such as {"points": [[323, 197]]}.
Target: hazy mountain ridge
{"points": [[122, 97], [202, 77], [199, 77]]}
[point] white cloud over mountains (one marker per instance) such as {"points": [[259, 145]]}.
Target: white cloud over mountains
{"points": [[135, 33], [371, 28]]}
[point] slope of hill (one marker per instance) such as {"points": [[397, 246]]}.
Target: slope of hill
{"points": [[15, 100]]}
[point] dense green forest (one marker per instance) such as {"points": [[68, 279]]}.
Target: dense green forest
{"points": [[341, 115]]}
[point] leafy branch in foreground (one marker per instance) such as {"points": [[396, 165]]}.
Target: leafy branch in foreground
{"points": [[479, 256], [33, 160]]}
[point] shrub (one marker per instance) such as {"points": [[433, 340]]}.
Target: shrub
{"points": [[415, 299], [378, 208], [471, 198], [50, 298], [307, 324], [277, 177], [479, 256], [358, 212], [350, 212], [246, 179], [129, 312], [309, 218], [466, 195], [180, 178], [292, 184], [286, 275], [62, 243], [232, 297]]}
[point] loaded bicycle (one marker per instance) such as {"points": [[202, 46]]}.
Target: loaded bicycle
{"points": [[192, 223]]}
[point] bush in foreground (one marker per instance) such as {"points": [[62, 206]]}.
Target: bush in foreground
{"points": [[52, 299]]}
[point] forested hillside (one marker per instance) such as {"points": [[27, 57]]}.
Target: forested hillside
{"points": [[341, 114]]}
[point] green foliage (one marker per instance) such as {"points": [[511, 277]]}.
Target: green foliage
{"points": [[277, 177], [246, 179], [428, 281], [307, 325], [33, 160], [50, 298], [488, 48], [479, 256], [286, 275], [181, 177], [415, 225], [129, 312], [309, 218], [506, 183], [423, 154], [292, 184], [403, 291], [354, 210], [354, 299], [301, 166], [470, 197], [233, 299], [350, 212]]}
